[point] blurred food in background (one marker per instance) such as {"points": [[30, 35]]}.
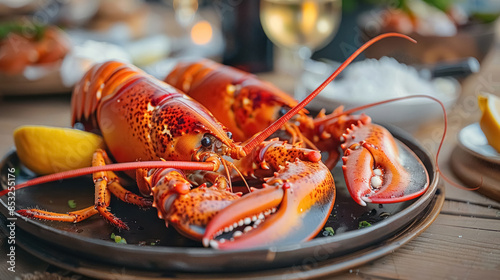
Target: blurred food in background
{"points": [[72, 35], [83, 56], [77, 12], [24, 44], [133, 16], [374, 80], [417, 16], [31, 56], [14, 7], [79, 33], [446, 30]]}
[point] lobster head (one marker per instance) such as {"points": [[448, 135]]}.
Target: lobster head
{"points": [[187, 129]]}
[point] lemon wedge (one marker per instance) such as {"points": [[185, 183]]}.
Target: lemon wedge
{"points": [[490, 120], [46, 150]]}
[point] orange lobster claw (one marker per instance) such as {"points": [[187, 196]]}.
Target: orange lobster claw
{"points": [[291, 208], [376, 171], [174, 199]]}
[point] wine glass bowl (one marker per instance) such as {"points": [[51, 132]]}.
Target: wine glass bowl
{"points": [[300, 26], [294, 24]]}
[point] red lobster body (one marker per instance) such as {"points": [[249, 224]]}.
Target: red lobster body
{"points": [[141, 118], [243, 103]]}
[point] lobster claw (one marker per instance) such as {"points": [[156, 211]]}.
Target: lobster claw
{"points": [[187, 210], [292, 207], [376, 171]]}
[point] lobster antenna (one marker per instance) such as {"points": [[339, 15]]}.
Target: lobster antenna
{"points": [[446, 178], [286, 117], [209, 166]]}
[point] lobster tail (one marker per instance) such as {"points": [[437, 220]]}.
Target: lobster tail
{"points": [[99, 82], [186, 74]]}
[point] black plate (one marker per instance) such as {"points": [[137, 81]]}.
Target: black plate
{"points": [[311, 267], [90, 240]]}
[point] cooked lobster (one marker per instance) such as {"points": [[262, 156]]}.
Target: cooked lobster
{"points": [[246, 105], [143, 119]]}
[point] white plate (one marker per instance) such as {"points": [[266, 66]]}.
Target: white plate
{"points": [[472, 139]]}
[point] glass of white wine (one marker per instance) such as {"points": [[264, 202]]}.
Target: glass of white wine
{"points": [[300, 26]]}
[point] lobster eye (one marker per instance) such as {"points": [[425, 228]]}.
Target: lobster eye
{"points": [[206, 141], [229, 135], [283, 110]]}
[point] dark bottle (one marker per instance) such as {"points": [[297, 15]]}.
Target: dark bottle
{"points": [[247, 46]]}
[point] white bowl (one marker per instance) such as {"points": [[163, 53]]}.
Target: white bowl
{"points": [[408, 114]]}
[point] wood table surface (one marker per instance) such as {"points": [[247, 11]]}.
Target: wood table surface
{"points": [[462, 243]]}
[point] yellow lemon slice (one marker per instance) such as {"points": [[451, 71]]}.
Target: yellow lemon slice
{"points": [[490, 120], [47, 150]]}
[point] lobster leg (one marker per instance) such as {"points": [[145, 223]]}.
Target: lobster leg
{"points": [[105, 182], [125, 195], [102, 193], [375, 170], [71, 217], [102, 199]]}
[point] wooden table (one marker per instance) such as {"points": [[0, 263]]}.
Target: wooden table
{"points": [[463, 242]]}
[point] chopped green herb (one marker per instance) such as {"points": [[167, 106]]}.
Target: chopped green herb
{"points": [[72, 204], [364, 224], [328, 231], [153, 244], [24, 29], [118, 239]]}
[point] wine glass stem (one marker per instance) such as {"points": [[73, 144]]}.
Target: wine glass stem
{"points": [[301, 57]]}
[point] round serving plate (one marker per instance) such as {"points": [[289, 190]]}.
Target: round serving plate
{"points": [[155, 250], [318, 265]]}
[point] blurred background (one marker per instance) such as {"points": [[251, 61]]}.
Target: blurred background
{"points": [[47, 45], [236, 32]]}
